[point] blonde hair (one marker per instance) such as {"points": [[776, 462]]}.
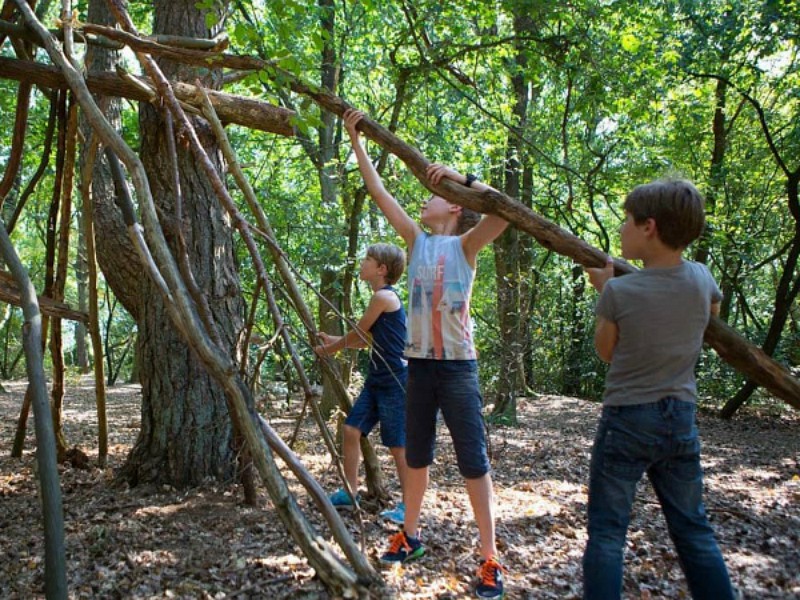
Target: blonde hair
{"points": [[390, 255]]}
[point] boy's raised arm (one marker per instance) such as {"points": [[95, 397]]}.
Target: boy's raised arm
{"points": [[404, 225], [488, 228]]}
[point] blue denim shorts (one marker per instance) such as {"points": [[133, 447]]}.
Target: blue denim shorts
{"points": [[452, 387], [382, 402]]}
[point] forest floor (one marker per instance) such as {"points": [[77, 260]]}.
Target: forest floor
{"points": [[150, 542]]}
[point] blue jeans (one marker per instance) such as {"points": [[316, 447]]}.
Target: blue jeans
{"points": [[452, 386], [658, 438]]}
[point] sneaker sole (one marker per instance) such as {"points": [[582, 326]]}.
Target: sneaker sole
{"points": [[416, 555], [392, 519], [500, 597]]}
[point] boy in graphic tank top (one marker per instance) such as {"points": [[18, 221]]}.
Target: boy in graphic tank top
{"points": [[442, 371]]}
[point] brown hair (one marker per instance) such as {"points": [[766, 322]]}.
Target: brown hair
{"points": [[390, 255], [674, 204], [467, 220]]}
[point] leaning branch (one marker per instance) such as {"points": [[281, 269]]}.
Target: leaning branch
{"points": [[10, 294], [178, 303], [738, 352], [745, 357], [231, 108]]}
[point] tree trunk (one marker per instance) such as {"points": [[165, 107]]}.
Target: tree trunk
{"points": [[717, 173], [573, 369], [509, 257], [785, 295], [81, 276], [329, 322], [186, 433]]}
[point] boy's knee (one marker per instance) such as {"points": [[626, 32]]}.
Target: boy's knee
{"points": [[418, 461], [352, 432], [474, 468], [473, 473]]}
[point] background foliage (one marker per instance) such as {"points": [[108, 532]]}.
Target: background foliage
{"points": [[618, 94]]}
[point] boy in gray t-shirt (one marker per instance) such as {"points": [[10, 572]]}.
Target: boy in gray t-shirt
{"points": [[650, 327]]}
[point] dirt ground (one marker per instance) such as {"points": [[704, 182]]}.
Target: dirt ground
{"points": [[203, 543]]}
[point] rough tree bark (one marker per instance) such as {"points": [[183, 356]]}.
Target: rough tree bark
{"points": [[186, 433], [180, 307]]}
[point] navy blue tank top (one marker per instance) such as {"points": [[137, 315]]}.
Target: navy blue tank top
{"points": [[388, 342]]}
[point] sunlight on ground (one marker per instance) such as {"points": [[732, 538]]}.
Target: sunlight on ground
{"points": [[204, 543], [549, 497], [742, 560]]}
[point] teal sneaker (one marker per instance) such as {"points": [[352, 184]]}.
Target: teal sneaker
{"points": [[402, 548], [341, 500], [491, 579], [395, 515]]}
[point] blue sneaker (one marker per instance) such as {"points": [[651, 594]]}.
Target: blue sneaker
{"points": [[491, 579], [402, 548], [395, 515], [341, 500]]}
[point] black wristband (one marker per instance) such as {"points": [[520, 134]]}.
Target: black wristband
{"points": [[470, 179]]}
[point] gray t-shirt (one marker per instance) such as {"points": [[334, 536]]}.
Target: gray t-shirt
{"points": [[662, 314]]}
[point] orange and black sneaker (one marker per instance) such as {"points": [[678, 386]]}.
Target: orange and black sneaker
{"points": [[491, 579], [402, 548]]}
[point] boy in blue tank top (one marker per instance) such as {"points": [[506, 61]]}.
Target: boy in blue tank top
{"points": [[382, 400], [650, 327], [442, 369]]}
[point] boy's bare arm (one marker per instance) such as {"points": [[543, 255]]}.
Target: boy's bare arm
{"points": [[484, 233], [606, 333], [598, 277], [488, 228], [359, 336], [404, 225], [606, 336]]}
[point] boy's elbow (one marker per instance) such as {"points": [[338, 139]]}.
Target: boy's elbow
{"points": [[605, 354]]}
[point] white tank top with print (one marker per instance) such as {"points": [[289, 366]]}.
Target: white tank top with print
{"points": [[439, 289]]}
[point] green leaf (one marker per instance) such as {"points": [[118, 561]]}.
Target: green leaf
{"points": [[212, 19], [630, 42]]}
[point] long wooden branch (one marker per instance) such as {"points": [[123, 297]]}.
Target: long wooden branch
{"points": [[302, 309], [10, 294], [44, 149], [747, 358], [18, 140], [87, 222], [239, 110], [13, 30], [50, 489], [738, 352], [202, 158], [181, 310]]}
